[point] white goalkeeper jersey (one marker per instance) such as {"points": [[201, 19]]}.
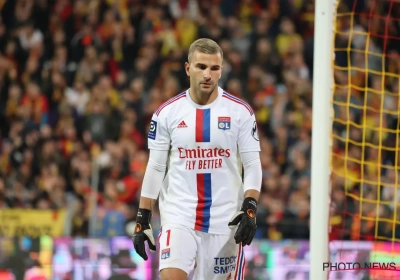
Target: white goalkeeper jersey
{"points": [[203, 185]]}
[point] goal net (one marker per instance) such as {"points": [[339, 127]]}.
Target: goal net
{"points": [[365, 138]]}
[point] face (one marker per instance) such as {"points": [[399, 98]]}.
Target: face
{"points": [[204, 71]]}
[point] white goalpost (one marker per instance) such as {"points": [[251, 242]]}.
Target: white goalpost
{"points": [[325, 11]]}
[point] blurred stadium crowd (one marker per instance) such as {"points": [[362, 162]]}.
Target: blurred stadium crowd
{"points": [[80, 79], [366, 124]]}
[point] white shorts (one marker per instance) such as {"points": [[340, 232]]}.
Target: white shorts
{"points": [[213, 256]]}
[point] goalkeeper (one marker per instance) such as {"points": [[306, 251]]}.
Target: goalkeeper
{"points": [[205, 136]]}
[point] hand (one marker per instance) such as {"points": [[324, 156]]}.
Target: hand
{"points": [[246, 218], [143, 233]]}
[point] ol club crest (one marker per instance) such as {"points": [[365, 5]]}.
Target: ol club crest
{"points": [[224, 123]]}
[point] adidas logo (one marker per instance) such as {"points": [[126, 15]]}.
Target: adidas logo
{"points": [[182, 124]]}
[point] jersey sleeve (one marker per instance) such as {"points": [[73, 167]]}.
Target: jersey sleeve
{"points": [[248, 134], [158, 136]]}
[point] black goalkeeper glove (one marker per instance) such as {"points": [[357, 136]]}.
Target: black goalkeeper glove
{"points": [[143, 232], [246, 218]]}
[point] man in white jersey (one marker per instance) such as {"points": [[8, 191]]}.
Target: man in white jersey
{"points": [[199, 142]]}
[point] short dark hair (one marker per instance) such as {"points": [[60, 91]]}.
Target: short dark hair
{"points": [[205, 45]]}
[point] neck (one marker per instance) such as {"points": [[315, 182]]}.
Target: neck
{"points": [[203, 99]]}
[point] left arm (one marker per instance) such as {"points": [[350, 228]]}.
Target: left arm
{"points": [[249, 149]]}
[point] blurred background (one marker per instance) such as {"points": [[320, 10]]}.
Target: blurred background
{"points": [[79, 82]]}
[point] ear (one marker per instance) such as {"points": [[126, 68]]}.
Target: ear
{"points": [[187, 67]]}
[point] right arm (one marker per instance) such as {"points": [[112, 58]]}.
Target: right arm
{"points": [[159, 143], [153, 178]]}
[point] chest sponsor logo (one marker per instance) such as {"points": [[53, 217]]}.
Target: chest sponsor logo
{"points": [[203, 158]]}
